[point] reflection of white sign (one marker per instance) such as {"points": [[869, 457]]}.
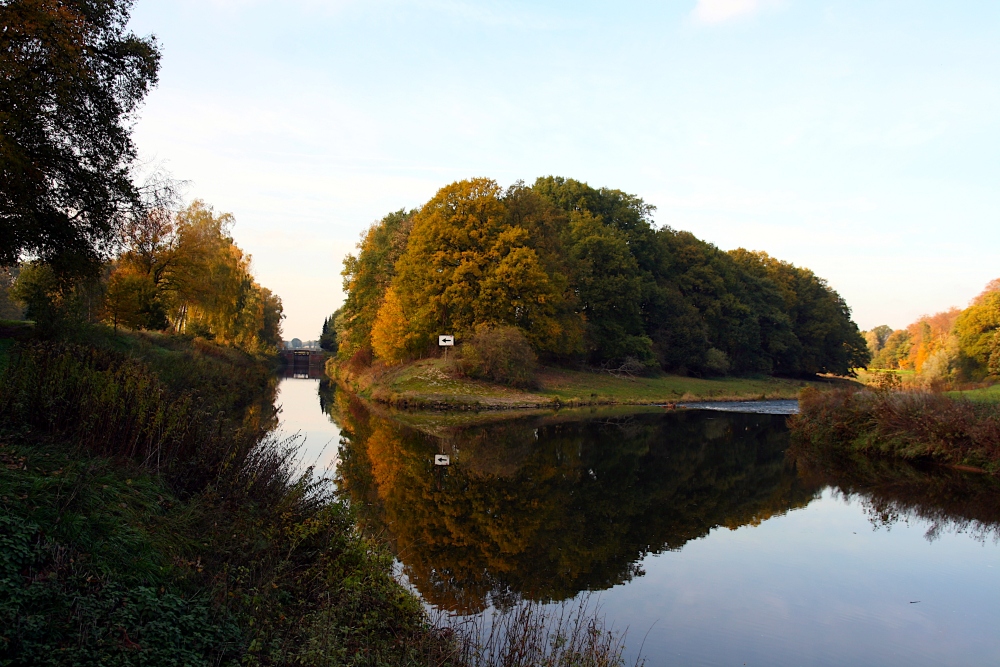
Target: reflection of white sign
{"points": [[441, 460], [446, 341]]}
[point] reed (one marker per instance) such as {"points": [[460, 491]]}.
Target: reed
{"points": [[529, 634]]}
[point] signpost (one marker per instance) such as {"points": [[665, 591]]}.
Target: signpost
{"points": [[446, 342]]}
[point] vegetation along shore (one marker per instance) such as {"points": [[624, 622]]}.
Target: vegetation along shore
{"points": [[932, 394], [440, 384], [150, 515]]}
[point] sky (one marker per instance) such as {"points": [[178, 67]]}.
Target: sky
{"points": [[859, 139]]}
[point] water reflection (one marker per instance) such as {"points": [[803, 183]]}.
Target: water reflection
{"points": [[302, 415], [683, 521], [542, 508], [894, 492]]}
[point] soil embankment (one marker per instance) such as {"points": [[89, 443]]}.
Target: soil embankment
{"points": [[437, 384]]}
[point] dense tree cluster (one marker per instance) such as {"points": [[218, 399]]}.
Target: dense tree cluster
{"points": [[584, 275], [954, 345], [100, 247]]}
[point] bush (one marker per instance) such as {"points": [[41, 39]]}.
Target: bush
{"points": [[716, 361], [500, 355], [111, 404]]}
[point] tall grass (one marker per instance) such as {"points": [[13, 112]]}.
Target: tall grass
{"points": [[532, 635], [267, 545], [112, 405], [911, 425]]}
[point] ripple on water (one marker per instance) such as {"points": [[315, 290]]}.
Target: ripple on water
{"points": [[777, 407]]}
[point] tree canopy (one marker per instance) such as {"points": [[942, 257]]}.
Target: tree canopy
{"points": [[585, 275], [71, 78], [183, 271]]}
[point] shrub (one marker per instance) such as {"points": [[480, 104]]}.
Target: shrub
{"points": [[500, 355], [228, 554], [886, 381], [911, 425], [716, 361]]}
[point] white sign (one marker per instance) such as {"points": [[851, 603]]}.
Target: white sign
{"points": [[441, 460], [446, 341]]}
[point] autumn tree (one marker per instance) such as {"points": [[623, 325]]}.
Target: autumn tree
{"points": [[71, 79], [978, 332], [468, 263], [183, 271], [876, 338], [368, 275]]}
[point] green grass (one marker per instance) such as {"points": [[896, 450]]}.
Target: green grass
{"points": [[581, 387], [985, 395], [435, 383]]}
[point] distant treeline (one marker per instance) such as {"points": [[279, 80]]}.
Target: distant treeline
{"points": [[952, 346], [586, 277]]}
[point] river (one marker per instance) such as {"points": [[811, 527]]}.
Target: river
{"points": [[697, 531]]}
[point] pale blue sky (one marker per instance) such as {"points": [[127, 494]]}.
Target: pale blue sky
{"points": [[859, 139]]}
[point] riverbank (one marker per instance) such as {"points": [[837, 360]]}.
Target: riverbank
{"points": [[913, 426], [436, 384], [147, 513]]}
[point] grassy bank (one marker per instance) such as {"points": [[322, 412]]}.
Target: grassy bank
{"points": [[908, 425], [149, 524], [437, 384]]}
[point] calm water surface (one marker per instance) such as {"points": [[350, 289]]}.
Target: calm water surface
{"points": [[697, 530]]}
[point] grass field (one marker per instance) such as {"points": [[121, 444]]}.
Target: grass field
{"points": [[435, 383], [985, 395]]}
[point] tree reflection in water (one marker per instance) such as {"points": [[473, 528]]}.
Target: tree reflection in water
{"points": [[542, 508], [893, 491]]}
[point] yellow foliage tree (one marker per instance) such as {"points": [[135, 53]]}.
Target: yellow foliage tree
{"points": [[183, 271], [390, 335], [470, 261]]}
